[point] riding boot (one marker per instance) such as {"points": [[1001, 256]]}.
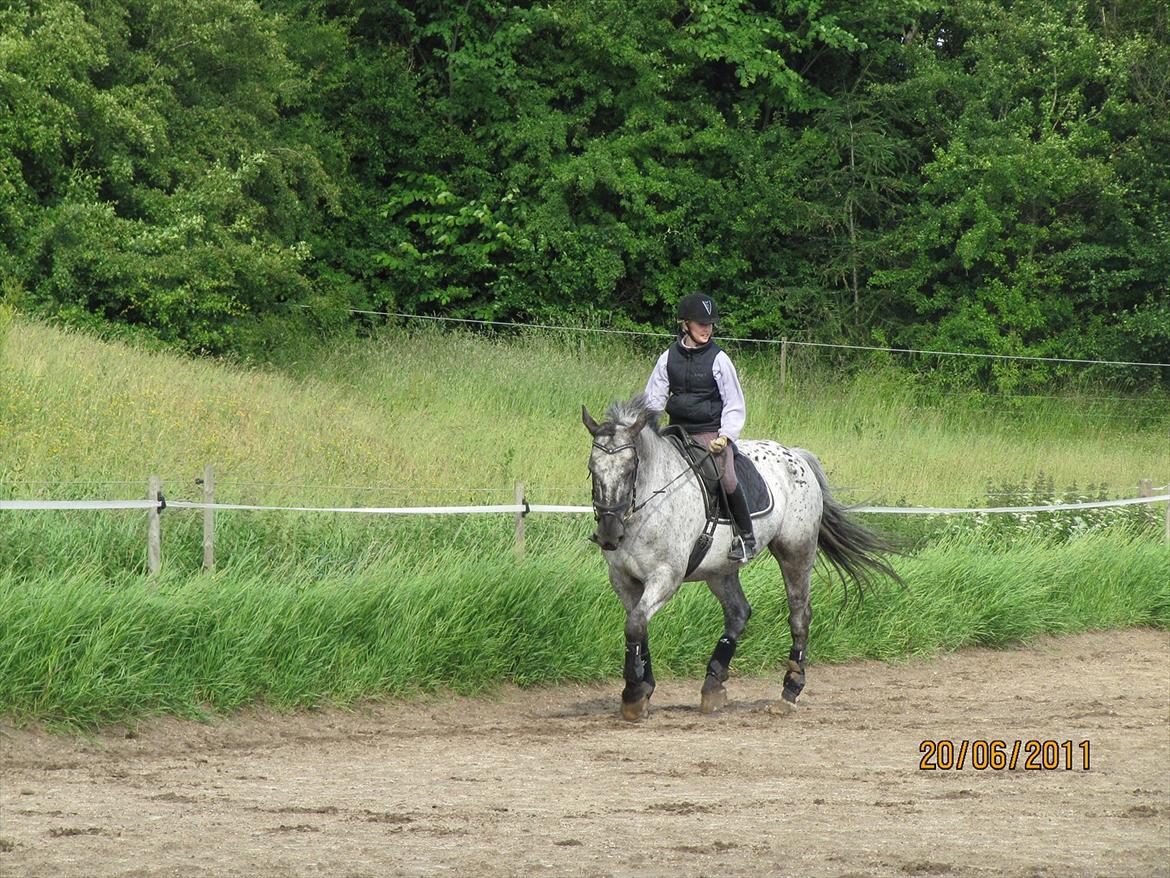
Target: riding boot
{"points": [[743, 545]]}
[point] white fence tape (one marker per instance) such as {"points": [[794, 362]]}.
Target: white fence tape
{"points": [[372, 510], [523, 507], [929, 510], [78, 504]]}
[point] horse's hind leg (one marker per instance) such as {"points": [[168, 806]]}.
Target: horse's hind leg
{"points": [[736, 612], [797, 569]]}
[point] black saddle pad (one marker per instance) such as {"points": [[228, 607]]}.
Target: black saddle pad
{"points": [[755, 489]]}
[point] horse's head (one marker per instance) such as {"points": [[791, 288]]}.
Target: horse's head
{"points": [[613, 464]]}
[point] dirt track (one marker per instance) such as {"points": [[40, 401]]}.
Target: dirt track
{"points": [[551, 782]]}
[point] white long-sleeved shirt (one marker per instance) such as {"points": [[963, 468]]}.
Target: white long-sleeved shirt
{"points": [[734, 408]]}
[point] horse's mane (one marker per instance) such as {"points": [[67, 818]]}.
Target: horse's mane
{"points": [[623, 413]]}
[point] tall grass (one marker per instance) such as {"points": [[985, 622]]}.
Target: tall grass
{"points": [[442, 410], [80, 651]]}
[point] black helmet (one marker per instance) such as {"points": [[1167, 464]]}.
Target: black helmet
{"points": [[698, 307]]}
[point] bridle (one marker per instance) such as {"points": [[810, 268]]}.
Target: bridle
{"points": [[631, 505]]}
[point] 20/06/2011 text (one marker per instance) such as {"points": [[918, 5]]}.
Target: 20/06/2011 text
{"points": [[980, 754]]}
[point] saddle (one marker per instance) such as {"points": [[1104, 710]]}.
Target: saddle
{"points": [[756, 492]]}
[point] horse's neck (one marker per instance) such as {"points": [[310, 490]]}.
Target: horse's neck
{"points": [[658, 461]]}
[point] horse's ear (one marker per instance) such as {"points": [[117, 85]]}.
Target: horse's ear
{"points": [[643, 420], [590, 424]]}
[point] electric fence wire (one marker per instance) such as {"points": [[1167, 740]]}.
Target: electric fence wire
{"points": [[763, 341]]}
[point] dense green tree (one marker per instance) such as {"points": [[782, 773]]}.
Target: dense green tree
{"points": [[1038, 229], [985, 175], [627, 153], [150, 176]]}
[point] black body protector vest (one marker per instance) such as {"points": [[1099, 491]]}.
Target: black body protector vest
{"points": [[694, 402]]}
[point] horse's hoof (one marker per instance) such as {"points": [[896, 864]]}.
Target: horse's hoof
{"points": [[713, 700], [783, 707], [632, 711]]}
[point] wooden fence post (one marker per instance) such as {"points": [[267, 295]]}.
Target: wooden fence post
{"points": [[154, 530], [208, 518], [784, 362], [520, 521]]}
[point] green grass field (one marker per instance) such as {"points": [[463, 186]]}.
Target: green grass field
{"points": [[311, 608]]}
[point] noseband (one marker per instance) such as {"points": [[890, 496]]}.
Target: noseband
{"points": [[625, 508]]}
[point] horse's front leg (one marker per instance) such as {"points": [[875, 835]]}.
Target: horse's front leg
{"points": [[736, 612], [639, 680], [642, 601]]}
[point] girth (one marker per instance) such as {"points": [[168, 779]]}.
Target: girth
{"points": [[705, 467]]}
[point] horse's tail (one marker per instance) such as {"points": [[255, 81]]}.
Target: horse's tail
{"points": [[853, 551]]}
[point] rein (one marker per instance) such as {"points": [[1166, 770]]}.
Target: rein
{"points": [[633, 504]]}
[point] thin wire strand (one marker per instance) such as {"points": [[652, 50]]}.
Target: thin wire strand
{"points": [[1067, 398], [396, 489], [769, 341], [1009, 413], [140, 486]]}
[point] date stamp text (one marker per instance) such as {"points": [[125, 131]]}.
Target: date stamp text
{"points": [[981, 754]]}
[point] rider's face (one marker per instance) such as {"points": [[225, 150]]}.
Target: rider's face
{"points": [[700, 332]]}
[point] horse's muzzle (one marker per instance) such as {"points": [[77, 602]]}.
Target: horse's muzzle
{"points": [[609, 533]]}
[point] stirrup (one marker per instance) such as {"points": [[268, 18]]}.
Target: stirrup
{"points": [[743, 549]]}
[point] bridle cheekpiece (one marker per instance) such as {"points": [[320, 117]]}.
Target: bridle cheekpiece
{"points": [[630, 505]]}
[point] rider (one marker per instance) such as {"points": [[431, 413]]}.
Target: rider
{"points": [[695, 382]]}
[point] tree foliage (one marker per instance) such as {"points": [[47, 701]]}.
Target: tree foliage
{"points": [[1038, 229], [985, 175]]}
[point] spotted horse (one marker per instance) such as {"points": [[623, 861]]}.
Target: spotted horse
{"points": [[650, 513]]}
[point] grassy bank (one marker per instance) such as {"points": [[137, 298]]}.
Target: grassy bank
{"points": [[430, 411], [431, 418], [80, 650]]}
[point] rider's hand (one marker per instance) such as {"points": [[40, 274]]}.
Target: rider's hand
{"points": [[717, 444]]}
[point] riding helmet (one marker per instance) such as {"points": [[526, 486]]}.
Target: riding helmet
{"points": [[698, 307]]}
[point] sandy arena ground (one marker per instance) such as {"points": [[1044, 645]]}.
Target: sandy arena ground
{"points": [[552, 782]]}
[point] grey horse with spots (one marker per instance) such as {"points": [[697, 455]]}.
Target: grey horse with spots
{"points": [[650, 511]]}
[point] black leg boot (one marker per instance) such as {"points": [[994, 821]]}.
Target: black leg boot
{"points": [[743, 547]]}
